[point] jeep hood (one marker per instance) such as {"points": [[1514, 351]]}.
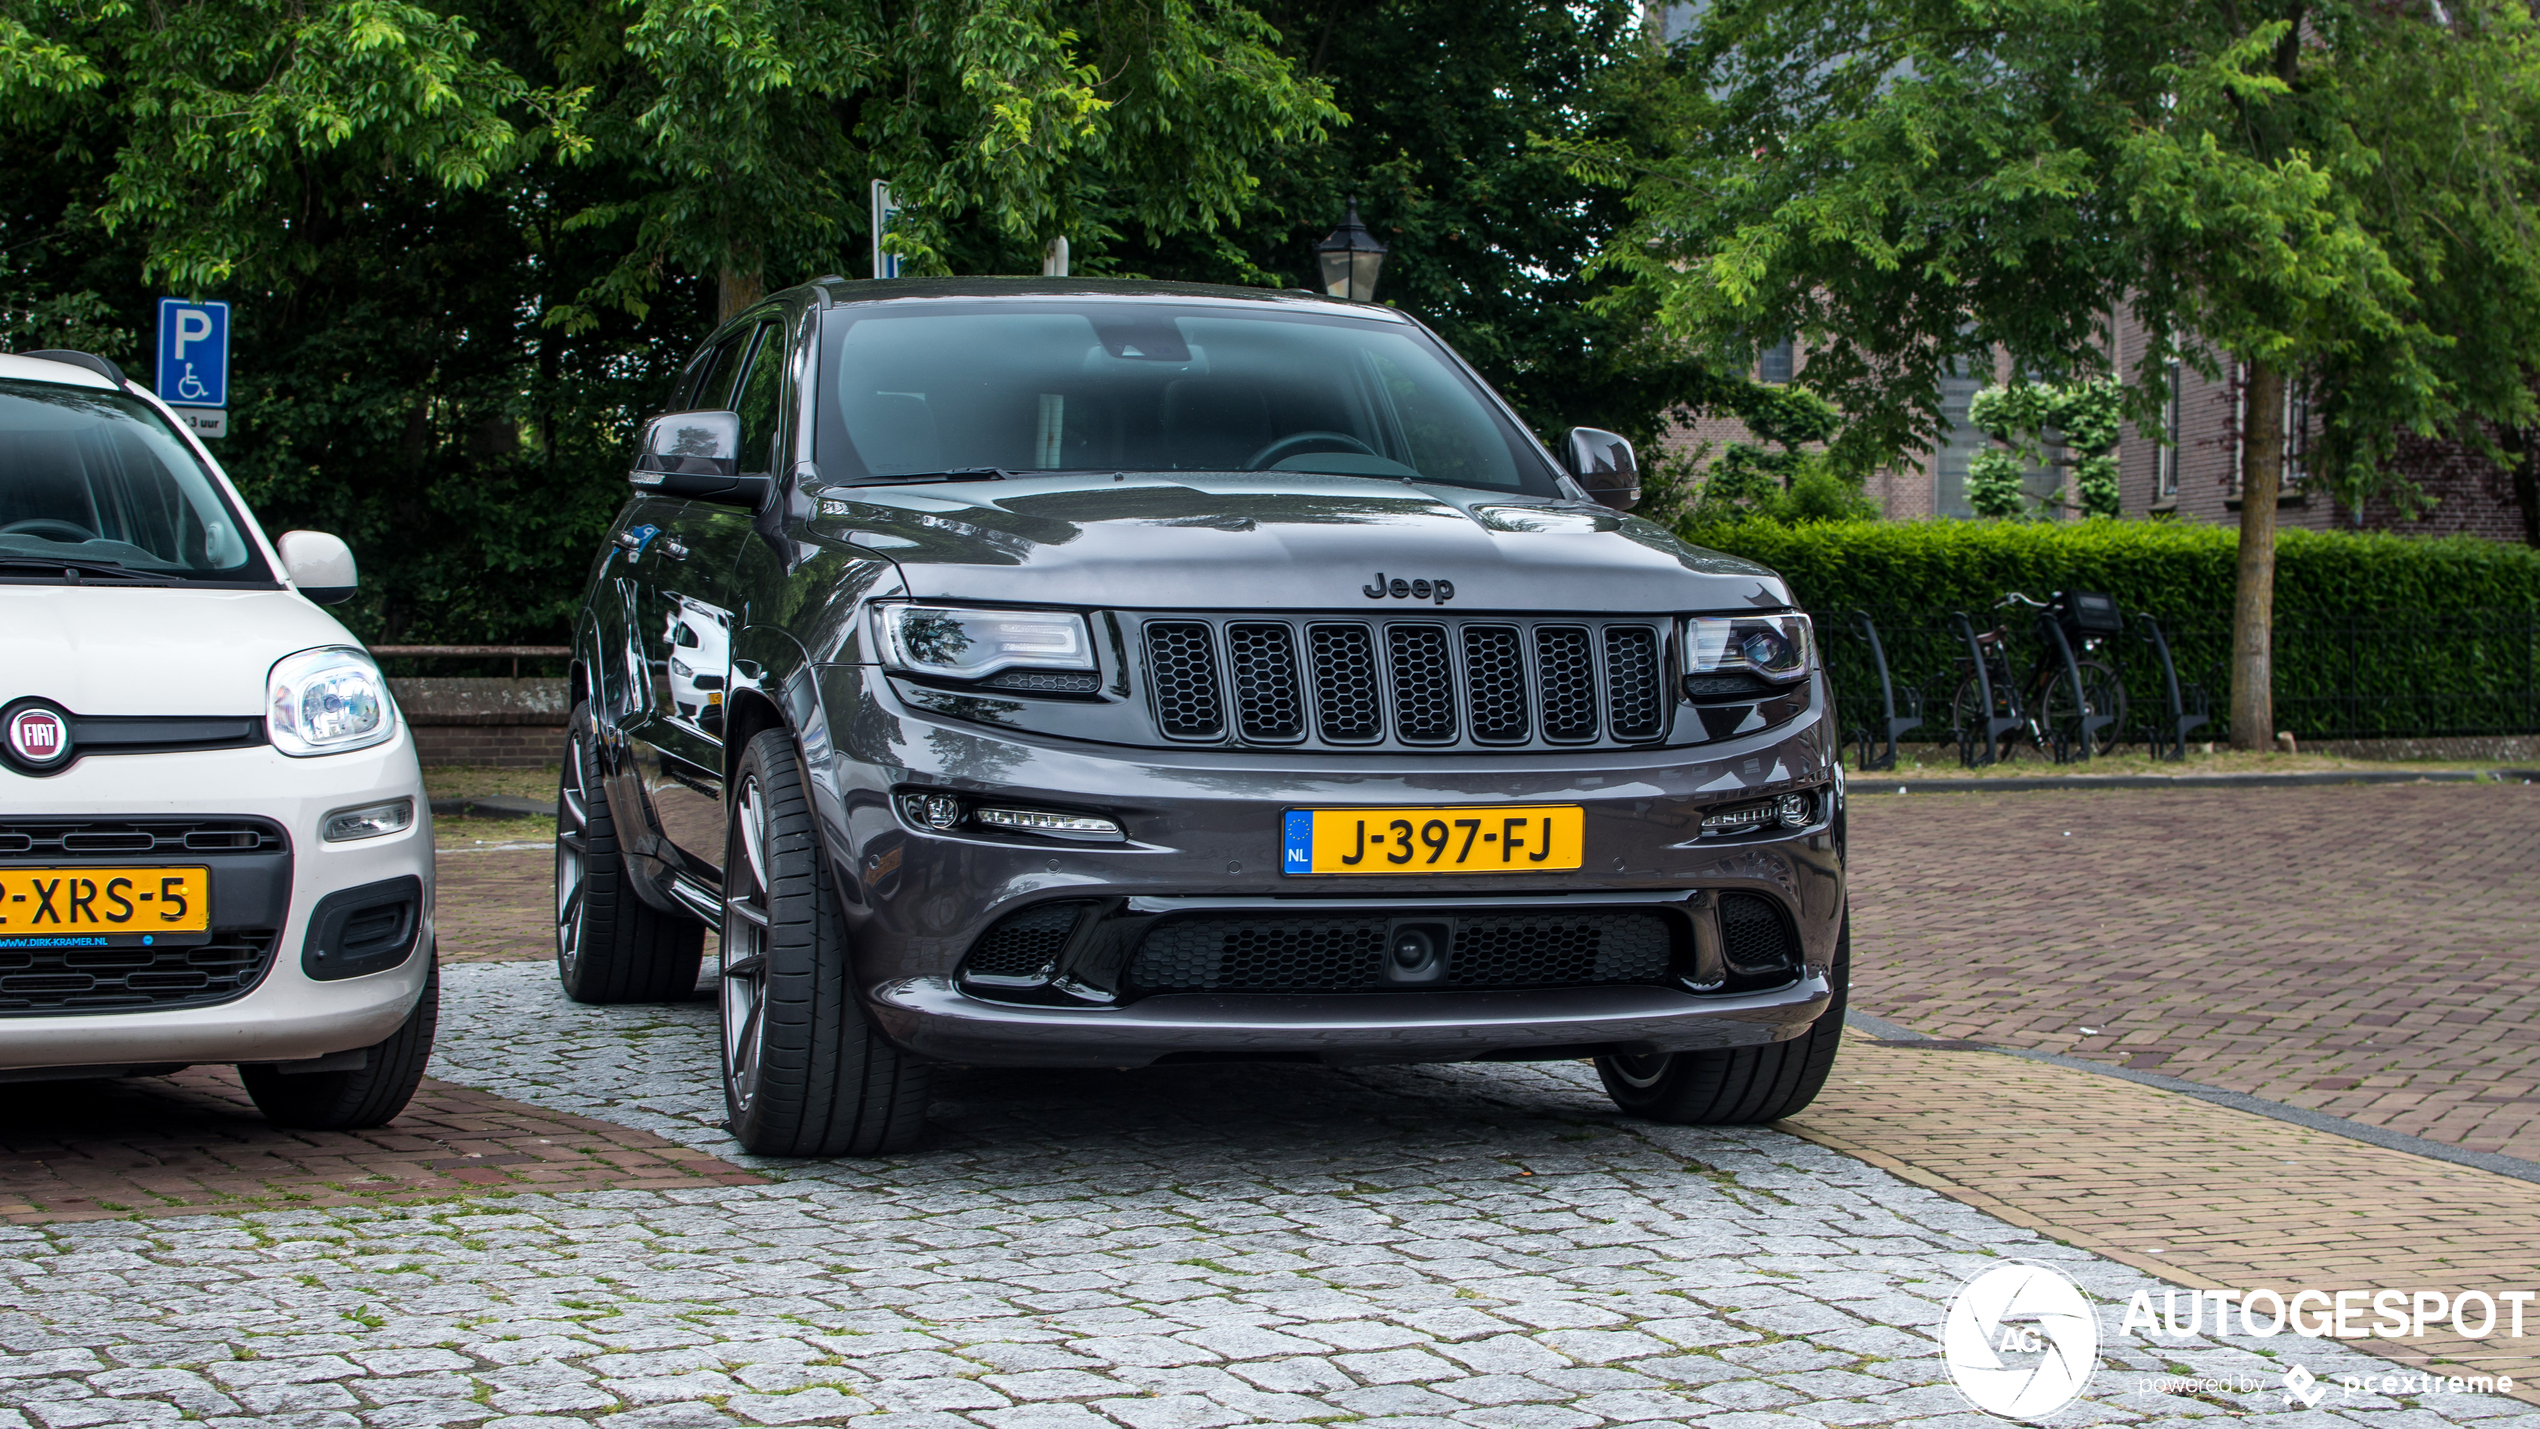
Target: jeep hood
{"points": [[97, 649], [1278, 541]]}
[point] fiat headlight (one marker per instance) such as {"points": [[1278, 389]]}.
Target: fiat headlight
{"points": [[1770, 647], [327, 701], [966, 644]]}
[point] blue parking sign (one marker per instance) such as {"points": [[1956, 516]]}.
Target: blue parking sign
{"points": [[193, 353]]}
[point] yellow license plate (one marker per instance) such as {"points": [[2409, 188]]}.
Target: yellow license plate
{"points": [[1490, 839], [46, 902]]}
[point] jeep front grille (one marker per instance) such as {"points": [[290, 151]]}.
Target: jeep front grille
{"points": [[1438, 682]]}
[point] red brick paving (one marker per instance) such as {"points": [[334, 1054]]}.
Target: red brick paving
{"points": [[494, 905], [194, 1143], [2371, 951]]}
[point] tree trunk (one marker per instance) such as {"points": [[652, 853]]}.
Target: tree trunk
{"points": [[2253, 603], [741, 283]]}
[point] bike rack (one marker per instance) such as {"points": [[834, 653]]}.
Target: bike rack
{"points": [[1995, 726], [2182, 718], [2051, 630], [1896, 723]]}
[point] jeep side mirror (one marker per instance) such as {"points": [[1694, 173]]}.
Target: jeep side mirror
{"points": [[320, 565], [696, 455], [1605, 467]]}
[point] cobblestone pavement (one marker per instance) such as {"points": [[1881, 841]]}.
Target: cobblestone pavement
{"points": [[2372, 951], [2204, 1196], [195, 1143], [1482, 1246], [2369, 951]]}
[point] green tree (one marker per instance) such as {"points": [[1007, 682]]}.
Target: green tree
{"points": [[468, 243], [1489, 231], [2078, 419], [2309, 191]]}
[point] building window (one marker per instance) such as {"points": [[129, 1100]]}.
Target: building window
{"points": [[1962, 440], [2294, 468], [1777, 363], [2165, 456]]}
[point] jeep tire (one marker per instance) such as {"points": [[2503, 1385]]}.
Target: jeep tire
{"points": [[1736, 1086], [610, 945], [804, 1071]]}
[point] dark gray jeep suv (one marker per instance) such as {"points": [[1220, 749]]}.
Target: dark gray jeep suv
{"points": [[1054, 673]]}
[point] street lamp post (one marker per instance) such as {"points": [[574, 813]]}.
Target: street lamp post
{"points": [[1351, 258]]}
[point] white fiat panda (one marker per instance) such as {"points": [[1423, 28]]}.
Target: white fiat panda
{"points": [[214, 840]]}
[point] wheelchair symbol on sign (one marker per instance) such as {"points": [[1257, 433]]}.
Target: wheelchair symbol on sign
{"points": [[191, 386]]}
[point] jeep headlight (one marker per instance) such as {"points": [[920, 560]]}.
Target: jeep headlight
{"points": [[968, 644], [1769, 647], [327, 701]]}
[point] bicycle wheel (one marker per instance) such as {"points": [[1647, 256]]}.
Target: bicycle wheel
{"points": [[2102, 693], [1967, 716]]}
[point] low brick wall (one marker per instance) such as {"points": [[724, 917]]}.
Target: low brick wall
{"points": [[2513, 749], [485, 720]]}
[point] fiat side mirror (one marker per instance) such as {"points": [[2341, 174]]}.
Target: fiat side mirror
{"points": [[1605, 467], [696, 455], [320, 565]]}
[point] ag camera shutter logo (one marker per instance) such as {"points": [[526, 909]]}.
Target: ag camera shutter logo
{"points": [[2021, 1340]]}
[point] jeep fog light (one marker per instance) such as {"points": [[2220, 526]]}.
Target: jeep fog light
{"points": [[370, 821], [935, 811], [1796, 811], [1063, 826]]}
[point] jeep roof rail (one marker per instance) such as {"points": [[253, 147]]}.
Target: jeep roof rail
{"points": [[89, 360]]}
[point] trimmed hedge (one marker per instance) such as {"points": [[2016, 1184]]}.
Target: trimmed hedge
{"points": [[2376, 635]]}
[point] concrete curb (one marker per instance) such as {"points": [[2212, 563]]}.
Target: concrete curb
{"points": [[2490, 1161], [1863, 784], [492, 806]]}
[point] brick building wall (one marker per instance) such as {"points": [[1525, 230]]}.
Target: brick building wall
{"points": [[2197, 477]]}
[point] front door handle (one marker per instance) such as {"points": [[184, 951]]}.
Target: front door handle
{"points": [[630, 543], [670, 547]]}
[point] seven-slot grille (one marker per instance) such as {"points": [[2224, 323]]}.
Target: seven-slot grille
{"points": [[1430, 683]]}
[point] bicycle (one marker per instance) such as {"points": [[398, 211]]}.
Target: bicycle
{"points": [[2040, 706]]}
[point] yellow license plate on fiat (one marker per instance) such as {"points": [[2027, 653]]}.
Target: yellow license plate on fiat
{"points": [[116, 904], [1496, 838]]}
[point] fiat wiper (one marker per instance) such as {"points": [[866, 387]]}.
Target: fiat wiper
{"points": [[71, 568]]}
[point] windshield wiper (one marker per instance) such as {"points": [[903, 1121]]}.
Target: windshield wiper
{"points": [[959, 473], [72, 567]]}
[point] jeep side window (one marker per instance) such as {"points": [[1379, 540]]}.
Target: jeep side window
{"points": [[758, 402], [723, 371]]}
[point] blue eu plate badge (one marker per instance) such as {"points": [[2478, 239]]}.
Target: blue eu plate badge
{"points": [[1297, 847]]}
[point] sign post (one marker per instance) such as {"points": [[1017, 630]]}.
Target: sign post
{"points": [[194, 363], [885, 213]]}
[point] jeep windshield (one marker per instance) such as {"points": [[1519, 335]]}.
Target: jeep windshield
{"points": [[94, 484], [1021, 387]]}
